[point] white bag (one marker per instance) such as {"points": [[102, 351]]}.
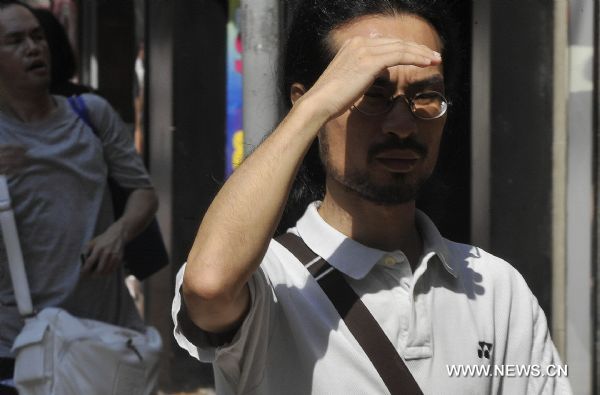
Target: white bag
{"points": [[58, 354]]}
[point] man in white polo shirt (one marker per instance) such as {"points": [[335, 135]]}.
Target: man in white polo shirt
{"points": [[363, 296]]}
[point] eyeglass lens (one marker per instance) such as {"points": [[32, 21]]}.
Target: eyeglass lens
{"points": [[428, 105], [425, 105]]}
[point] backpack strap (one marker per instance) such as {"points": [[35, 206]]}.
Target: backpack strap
{"points": [[80, 108], [363, 326]]}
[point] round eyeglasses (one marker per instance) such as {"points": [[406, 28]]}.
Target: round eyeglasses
{"points": [[423, 105]]}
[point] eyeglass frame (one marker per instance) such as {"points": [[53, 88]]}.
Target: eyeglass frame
{"points": [[410, 103]]}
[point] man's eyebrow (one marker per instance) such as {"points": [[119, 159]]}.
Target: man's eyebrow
{"points": [[382, 82], [14, 33], [426, 83], [20, 33]]}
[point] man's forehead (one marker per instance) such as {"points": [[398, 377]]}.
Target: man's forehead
{"points": [[407, 27], [16, 19]]}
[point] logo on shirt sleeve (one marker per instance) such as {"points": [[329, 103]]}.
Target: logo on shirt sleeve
{"points": [[484, 350]]}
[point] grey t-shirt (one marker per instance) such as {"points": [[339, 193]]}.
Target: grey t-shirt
{"points": [[61, 201]]}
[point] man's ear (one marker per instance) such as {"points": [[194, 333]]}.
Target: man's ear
{"points": [[296, 92]]}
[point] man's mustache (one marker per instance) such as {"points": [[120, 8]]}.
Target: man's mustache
{"points": [[395, 143]]}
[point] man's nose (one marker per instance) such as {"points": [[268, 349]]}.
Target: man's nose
{"points": [[32, 46], [400, 120]]}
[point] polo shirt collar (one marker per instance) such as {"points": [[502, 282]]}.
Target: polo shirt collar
{"points": [[354, 259], [433, 243]]}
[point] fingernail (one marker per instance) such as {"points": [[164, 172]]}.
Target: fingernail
{"points": [[437, 54]]}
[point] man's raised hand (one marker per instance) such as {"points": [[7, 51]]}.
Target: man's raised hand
{"points": [[358, 63]]}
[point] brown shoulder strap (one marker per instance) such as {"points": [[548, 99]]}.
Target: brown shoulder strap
{"points": [[365, 329]]}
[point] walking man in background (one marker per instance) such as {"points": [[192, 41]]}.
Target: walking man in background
{"points": [[57, 171], [363, 271]]}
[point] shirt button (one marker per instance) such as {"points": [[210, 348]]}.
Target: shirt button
{"points": [[389, 261]]}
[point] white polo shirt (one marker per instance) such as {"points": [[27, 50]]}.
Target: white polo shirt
{"points": [[461, 309]]}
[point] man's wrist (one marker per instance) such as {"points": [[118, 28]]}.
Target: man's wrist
{"points": [[120, 227], [314, 115]]}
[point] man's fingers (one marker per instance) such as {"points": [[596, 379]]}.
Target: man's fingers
{"points": [[102, 259], [12, 158], [395, 55], [87, 249], [406, 58], [88, 265], [404, 46], [91, 260], [111, 263], [380, 46], [105, 263]]}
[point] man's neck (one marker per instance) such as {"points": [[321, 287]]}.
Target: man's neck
{"points": [[383, 227], [27, 107]]}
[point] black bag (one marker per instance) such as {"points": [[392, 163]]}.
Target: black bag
{"points": [[146, 253]]}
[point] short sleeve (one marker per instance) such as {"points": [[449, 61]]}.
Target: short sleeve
{"points": [[231, 359], [125, 165], [545, 355]]}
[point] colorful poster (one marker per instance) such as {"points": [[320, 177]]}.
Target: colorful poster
{"points": [[234, 149]]}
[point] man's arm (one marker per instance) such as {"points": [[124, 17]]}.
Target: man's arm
{"points": [[105, 252], [236, 230]]}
